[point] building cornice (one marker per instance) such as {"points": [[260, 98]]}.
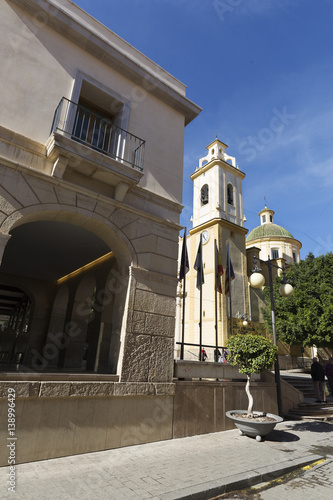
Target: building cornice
{"points": [[222, 222], [284, 239], [221, 163]]}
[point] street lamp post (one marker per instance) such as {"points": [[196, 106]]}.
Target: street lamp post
{"points": [[257, 280]]}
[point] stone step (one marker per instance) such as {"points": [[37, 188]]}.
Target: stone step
{"points": [[309, 409]]}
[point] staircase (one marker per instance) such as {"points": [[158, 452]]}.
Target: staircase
{"points": [[308, 409]]}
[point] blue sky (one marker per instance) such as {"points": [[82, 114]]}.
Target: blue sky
{"points": [[262, 72]]}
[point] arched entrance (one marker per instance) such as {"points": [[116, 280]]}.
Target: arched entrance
{"points": [[64, 268]]}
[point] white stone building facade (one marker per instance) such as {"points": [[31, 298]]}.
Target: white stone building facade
{"points": [[91, 194]]}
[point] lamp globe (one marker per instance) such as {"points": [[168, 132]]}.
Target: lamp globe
{"points": [[286, 290], [257, 280]]}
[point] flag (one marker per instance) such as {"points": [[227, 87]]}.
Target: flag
{"points": [[184, 263], [228, 277], [198, 266], [218, 270]]}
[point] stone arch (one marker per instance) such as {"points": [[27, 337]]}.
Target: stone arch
{"points": [[106, 229], [42, 352]]}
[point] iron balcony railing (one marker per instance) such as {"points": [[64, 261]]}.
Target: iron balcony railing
{"points": [[98, 132]]}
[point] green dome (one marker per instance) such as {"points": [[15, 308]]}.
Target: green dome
{"points": [[268, 230]]}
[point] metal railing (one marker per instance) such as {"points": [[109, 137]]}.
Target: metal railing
{"points": [[96, 131]]}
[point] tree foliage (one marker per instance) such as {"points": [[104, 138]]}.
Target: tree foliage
{"points": [[251, 353], [306, 318]]}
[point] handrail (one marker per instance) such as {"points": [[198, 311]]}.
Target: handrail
{"points": [[98, 132]]}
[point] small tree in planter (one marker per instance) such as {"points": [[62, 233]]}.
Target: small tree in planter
{"points": [[252, 354]]}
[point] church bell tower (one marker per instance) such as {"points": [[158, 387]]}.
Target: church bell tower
{"points": [[218, 219], [217, 187]]}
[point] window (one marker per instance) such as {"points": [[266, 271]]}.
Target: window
{"points": [[230, 194], [275, 253], [263, 218], [294, 257], [101, 116], [271, 218], [204, 194]]}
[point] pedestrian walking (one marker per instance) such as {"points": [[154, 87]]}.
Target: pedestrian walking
{"points": [[318, 380], [329, 374], [217, 355], [203, 355]]}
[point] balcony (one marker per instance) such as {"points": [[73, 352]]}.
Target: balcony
{"points": [[90, 144]]}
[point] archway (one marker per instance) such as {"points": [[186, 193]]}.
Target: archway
{"points": [[53, 261]]}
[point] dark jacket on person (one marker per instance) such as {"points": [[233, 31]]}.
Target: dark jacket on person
{"points": [[317, 372]]}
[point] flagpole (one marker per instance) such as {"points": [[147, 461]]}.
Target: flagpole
{"points": [[216, 276], [183, 266], [198, 266], [230, 305], [200, 317]]}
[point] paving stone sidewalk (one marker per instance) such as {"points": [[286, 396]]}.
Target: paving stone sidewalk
{"points": [[198, 467]]}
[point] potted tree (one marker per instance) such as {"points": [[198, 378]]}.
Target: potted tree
{"points": [[252, 354]]}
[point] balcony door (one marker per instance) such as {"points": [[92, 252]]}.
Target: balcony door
{"points": [[93, 126]]}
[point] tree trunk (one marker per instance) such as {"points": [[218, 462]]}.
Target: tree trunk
{"points": [[247, 389]]}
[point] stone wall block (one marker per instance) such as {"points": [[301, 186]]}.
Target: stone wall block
{"points": [[137, 228], [124, 220], [65, 196], [168, 248], [165, 389], [161, 360], [125, 389], [147, 243], [85, 202], [91, 389], [156, 263], [155, 282], [6, 206], [2, 217], [138, 322], [22, 389], [43, 190], [104, 210], [16, 183], [160, 325], [148, 359], [10, 221], [146, 389], [136, 358], [54, 389], [158, 304]]}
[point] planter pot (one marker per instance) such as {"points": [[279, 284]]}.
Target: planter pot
{"points": [[253, 428]]}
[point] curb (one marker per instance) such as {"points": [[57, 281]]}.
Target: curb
{"points": [[211, 489]]}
